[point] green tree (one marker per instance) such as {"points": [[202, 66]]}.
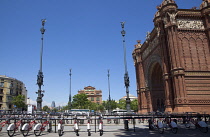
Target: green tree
{"points": [[80, 101], [93, 106], [110, 104], [96, 107], [54, 110], [46, 108], [100, 108], [122, 104], [65, 107], [19, 101], [134, 105]]}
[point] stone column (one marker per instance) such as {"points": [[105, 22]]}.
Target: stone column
{"points": [[165, 64], [140, 78], [177, 70]]}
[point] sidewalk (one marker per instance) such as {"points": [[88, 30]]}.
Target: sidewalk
{"points": [[141, 130]]}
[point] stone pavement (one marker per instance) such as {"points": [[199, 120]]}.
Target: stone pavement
{"points": [[112, 130]]}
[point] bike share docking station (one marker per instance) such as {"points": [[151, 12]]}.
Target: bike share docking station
{"points": [[42, 123]]}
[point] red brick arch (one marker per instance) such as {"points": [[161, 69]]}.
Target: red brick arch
{"points": [[173, 64], [157, 88]]}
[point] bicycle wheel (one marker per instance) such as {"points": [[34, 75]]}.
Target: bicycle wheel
{"points": [[187, 125], [203, 129], [60, 132], [151, 126], [37, 132], [174, 130], [77, 132], [49, 130], [25, 132], [0, 129], [89, 134], [161, 130], [101, 132], [11, 132]]}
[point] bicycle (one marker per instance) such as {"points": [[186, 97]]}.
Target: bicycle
{"points": [[12, 128], [101, 125], [198, 123], [76, 126], [28, 127], [2, 124], [40, 127], [88, 128], [172, 124], [153, 124], [60, 127]]}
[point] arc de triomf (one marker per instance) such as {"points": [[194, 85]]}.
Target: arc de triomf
{"points": [[173, 64]]}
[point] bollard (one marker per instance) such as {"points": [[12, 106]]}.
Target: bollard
{"points": [[126, 125]]}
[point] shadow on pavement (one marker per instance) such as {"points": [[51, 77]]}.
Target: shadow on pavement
{"points": [[154, 133]]}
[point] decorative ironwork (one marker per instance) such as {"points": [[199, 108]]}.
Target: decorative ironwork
{"points": [[109, 99], [70, 105], [40, 75], [126, 77]]}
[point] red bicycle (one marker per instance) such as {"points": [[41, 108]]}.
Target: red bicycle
{"points": [[60, 127], [100, 127], [198, 123], [14, 127], [28, 127], [172, 124], [40, 127], [2, 124]]}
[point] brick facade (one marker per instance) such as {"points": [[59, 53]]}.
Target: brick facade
{"points": [[173, 64]]}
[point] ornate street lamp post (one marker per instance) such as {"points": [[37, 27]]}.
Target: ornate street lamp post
{"points": [[126, 77], [70, 91], [109, 99], [40, 75]]}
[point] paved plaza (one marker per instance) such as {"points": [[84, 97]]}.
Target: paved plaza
{"points": [[117, 130]]}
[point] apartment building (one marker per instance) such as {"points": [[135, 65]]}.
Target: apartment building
{"points": [[93, 94], [10, 87]]}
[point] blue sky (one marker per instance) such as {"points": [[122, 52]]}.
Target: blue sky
{"points": [[83, 35]]}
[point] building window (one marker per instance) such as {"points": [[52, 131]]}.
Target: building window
{"points": [[9, 98], [11, 85], [97, 99], [2, 84], [1, 91], [87, 93], [11, 92], [1, 99], [92, 98]]}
